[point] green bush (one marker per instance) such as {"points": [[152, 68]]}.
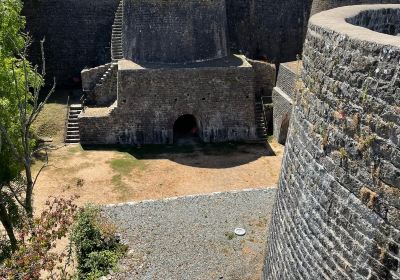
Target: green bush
{"points": [[96, 244]]}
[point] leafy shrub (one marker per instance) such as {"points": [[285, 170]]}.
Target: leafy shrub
{"points": [[96, 244]]}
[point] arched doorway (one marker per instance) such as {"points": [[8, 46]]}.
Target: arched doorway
{"points": [[186, 129]]}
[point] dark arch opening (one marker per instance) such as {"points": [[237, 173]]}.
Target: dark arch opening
{"points": [[284, 129], [186, 129]]}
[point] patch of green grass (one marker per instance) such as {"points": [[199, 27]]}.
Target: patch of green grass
{"points": [[51, 122], [120, 186], [126, 164]]}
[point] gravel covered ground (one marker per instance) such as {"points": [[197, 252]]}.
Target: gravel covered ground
{"points": [[192, 237]]}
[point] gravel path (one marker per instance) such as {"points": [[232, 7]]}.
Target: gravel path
{"points": [[192, 237]]}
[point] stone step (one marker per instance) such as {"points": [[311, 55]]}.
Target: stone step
{"points": [[73, 120], [72, 141], [75, 106], [72, 134]]}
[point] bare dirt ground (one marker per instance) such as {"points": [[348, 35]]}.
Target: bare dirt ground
{"points": [[113, 175]]}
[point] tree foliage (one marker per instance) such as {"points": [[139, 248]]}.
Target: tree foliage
{"points": [[20, 83], [15, 74]]}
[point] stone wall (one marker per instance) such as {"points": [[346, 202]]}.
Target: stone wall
{"points": [[268, 29], [323, 5], [151, 100], [384, 21], [91, 76], [337, 211], [265, 78], [282, 98], [174, 31], [282, 111], [78, 35]]}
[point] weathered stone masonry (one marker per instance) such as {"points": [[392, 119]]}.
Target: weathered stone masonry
{"points": [[174, 31], [282, 98], [151, 100], [78, 32], [171, 71], [337, 211], [323, 5]]}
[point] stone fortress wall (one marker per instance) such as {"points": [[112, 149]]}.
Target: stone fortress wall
{"points": [[337, 214], [174, 31], [268, 29], [220, 97], [78, 33], [323, 5]]}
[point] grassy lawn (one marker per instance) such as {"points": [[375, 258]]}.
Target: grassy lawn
{"points": [[51, 121]]}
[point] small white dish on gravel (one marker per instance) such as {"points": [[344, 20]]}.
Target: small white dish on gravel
{"points": [[240, 231]]}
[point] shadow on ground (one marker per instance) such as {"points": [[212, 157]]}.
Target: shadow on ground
{"points": [[201, 155]]}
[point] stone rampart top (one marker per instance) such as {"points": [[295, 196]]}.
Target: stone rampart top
{"points": [[339, 21], [226, 62]]}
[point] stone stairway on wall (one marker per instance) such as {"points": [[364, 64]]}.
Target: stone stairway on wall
{"points": [[72, 133], [262, 131], [116, 37], [104, 82], [103, 91]]}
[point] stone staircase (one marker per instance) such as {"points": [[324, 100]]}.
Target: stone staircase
{"points": [[72, 133], [116, 37], [262, 131], [105, 83], [106, 77]]}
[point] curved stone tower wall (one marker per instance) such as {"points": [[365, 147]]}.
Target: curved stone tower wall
{"points": [[174, 31], [337, 211], [323, 5]]}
